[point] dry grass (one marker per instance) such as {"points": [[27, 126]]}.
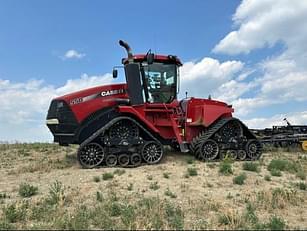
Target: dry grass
{"points": [[179, 193]]}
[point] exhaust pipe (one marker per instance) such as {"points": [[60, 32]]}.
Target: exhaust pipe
{"points": [[128, 49]]}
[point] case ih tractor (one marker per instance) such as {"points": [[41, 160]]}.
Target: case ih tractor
{"points": [[128, 124]]}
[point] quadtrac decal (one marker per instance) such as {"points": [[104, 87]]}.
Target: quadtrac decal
{"points": [[96, 95]]}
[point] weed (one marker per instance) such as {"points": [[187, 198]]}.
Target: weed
{"points": [[169, 193], [128, 216], [149, 177], [114, 209], [226, 167], [56, 193], [99, 196], [275, 223], [192, 172], [174, 216], [302, 185], [275, 172], [239, 179], [4, 195], [107, 176], [284, 165], [166, 175], [190, 160], [154, 186], [301, 174], [4, 225], [130, 187], [251, 166], [27, 190], [15, 212], [119, 172], [267, 178], [250, 214], [96, 179]]}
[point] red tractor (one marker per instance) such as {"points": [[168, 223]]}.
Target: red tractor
{"points": [[128, 124]]}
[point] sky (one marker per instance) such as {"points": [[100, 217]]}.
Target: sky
{"points": [[251, 54]]}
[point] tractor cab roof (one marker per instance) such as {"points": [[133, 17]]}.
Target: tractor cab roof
{"points": [[157, 58]]}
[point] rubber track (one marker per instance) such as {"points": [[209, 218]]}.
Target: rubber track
{"points": [[204, 135], [109, 124]]}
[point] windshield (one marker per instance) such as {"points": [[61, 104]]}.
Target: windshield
{"points": [[160, 82]]}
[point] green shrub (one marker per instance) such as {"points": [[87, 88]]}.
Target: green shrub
{"points": [[275, 172], [284, 165], [96, 179], [166, 175], [239, 179], [174, 216], [14, 213], [192, 171], [169, 193], [302, 185], [27, 190], [190, 160], [251, 166], [301, 174], [130, 187], [267, 178], [119, 172], [154, 186], [56, 193], [275, 223], [225, 168], [99, 196], [107, 176], [149, 177]]}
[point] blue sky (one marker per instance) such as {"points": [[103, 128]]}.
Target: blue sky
{"points": [[35, 33], [242, 52]]}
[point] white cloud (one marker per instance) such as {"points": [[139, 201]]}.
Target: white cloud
{"points": [[280, 77], [73, 54], [204, 77], [264, 23], [24, 106], [295, 118]]}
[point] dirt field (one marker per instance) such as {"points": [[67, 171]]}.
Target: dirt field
{"points": [[42, 186]]}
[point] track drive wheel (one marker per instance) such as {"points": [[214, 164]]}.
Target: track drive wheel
{"points": [[91, 155], [152, 152], [207, 150], [111, 160], [253, 149], [231, 129]]}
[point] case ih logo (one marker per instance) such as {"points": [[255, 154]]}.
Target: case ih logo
{"points": [[112, 92], [97, 95]]}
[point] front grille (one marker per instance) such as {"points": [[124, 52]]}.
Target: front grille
{"points": [[67, 122]]}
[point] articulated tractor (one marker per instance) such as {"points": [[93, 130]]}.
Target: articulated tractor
{"points": [[128, 124]]}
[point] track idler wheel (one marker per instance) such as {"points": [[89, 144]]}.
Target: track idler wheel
{"points": [[123, 160], [207, 150], [152, 152], [253, 149], [91, 155], [136, 159], [111, 160]]}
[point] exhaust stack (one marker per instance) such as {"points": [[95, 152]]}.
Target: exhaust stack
{"points": [[128, 49]]}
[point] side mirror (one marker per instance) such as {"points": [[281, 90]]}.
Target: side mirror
{"points": [[150, 58], [114, 73]]}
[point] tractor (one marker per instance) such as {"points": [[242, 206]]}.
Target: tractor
{"points": [[129, 124]]}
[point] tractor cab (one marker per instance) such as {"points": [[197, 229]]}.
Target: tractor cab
{"points": [[151, 78]]}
